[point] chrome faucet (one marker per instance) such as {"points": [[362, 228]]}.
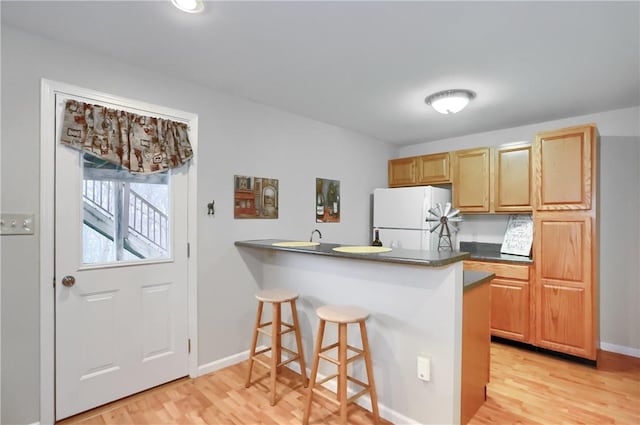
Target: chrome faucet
{"points": [[314, 231]]}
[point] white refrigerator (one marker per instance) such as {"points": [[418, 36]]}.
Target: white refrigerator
{"points": [[400, 215]]}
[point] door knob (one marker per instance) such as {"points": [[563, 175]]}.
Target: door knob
{"points": [[68, 280]]}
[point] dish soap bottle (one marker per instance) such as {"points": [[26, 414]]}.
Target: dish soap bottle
{"points": [[376, 239]]}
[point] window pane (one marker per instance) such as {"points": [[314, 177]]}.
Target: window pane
{"points": [[97, 247], [125, 216]]}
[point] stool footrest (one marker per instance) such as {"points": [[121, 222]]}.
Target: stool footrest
{"points": [[328, 397], [322, 390], [357, 381], [289, 360], [264, 350], [288, 350], [328, 347], [263, 363], [326, 379], [294, 356], [288, 328], [358, 395], [360, 354]]}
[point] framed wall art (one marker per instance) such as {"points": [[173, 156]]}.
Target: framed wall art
{"points": [[327, 201], [255, 197]]}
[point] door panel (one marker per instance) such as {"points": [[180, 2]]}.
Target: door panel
{"points": [[98, 334], [156, 308], [402, 172], [513, 178], [565, 290], [563, 312], [471, 180], [510, 309], [566, 239], [564, 168]]}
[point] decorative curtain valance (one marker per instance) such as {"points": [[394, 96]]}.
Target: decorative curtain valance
{"points": [[138, 143]]}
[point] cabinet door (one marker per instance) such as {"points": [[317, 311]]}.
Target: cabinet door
{"points": [[510, 309], [510, 299], [563, 168], [513, 178], [471, 180], [433, 168], [402, 172], [565, 304]]}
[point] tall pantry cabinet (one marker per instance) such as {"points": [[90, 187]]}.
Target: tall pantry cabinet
{"points": [[565, 240]]}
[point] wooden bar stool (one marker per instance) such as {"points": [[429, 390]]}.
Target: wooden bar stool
{"points": [[277, 328], [342, 315]]}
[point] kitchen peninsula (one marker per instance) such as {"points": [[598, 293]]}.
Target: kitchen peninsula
{"points": [[416, 303]]}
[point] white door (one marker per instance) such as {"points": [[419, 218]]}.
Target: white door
{"points": [[122, 324]]}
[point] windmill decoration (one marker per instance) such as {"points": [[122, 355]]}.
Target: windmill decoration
{"points": [[441, 217]]}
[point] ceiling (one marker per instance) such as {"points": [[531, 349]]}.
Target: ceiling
{"points": [[368, 65]]}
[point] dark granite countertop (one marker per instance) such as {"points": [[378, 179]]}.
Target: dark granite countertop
{"points": [[397, 255], [491, 252], [471, 278]]}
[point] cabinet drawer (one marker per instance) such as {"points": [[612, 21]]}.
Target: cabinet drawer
{"points": [[509, 271]]}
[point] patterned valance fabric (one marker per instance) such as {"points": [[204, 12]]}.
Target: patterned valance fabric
{"points": [[138, 143]]}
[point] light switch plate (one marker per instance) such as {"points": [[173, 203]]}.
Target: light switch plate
{"points": [[16, 224]]}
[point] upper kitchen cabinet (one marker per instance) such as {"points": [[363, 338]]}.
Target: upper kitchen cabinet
{"points": [[512, 186], [402, 172], [563, 168], [419, 170], [433, 169], [471, 179]]}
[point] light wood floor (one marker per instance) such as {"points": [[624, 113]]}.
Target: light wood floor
{"points": [[525, 388]]}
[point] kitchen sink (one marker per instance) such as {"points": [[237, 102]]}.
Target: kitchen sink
{"points": [[364, 249], [295, 244]]}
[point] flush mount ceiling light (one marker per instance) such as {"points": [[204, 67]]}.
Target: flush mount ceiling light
{"points": [[189, 6], [450, 101]]}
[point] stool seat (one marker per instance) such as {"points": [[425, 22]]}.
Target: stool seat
{"points": [[277, 295], [342, 313]]}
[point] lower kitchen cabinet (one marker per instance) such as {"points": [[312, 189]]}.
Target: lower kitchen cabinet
{"points": [[566, 302], [510, 299]]}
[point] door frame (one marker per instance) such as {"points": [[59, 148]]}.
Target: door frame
{"points": [[48, 90]]}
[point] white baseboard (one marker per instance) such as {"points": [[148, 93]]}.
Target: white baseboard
{"points": [[225, 362], [364, 401], [620, 349]]}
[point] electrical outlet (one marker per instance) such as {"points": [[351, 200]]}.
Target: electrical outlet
{"points": [[424, 368]]}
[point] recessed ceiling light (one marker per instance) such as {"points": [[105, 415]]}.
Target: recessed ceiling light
{"points": [[189, 6], [450, 101]]}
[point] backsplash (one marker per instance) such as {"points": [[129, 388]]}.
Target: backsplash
{"points": [[488, 228]]}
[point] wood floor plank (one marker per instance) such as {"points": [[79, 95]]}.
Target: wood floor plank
{"points": [[526, 388]]}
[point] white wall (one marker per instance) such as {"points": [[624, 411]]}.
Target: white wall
{"points": [[235, 137], [619, 192]]}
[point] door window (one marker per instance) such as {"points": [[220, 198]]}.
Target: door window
{"points": [[126, 217]]}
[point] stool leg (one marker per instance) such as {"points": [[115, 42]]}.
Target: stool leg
{"points": [[314, 371], [254, 342], [342, 371], [369, 365], [276, 352], [296, 324]]}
